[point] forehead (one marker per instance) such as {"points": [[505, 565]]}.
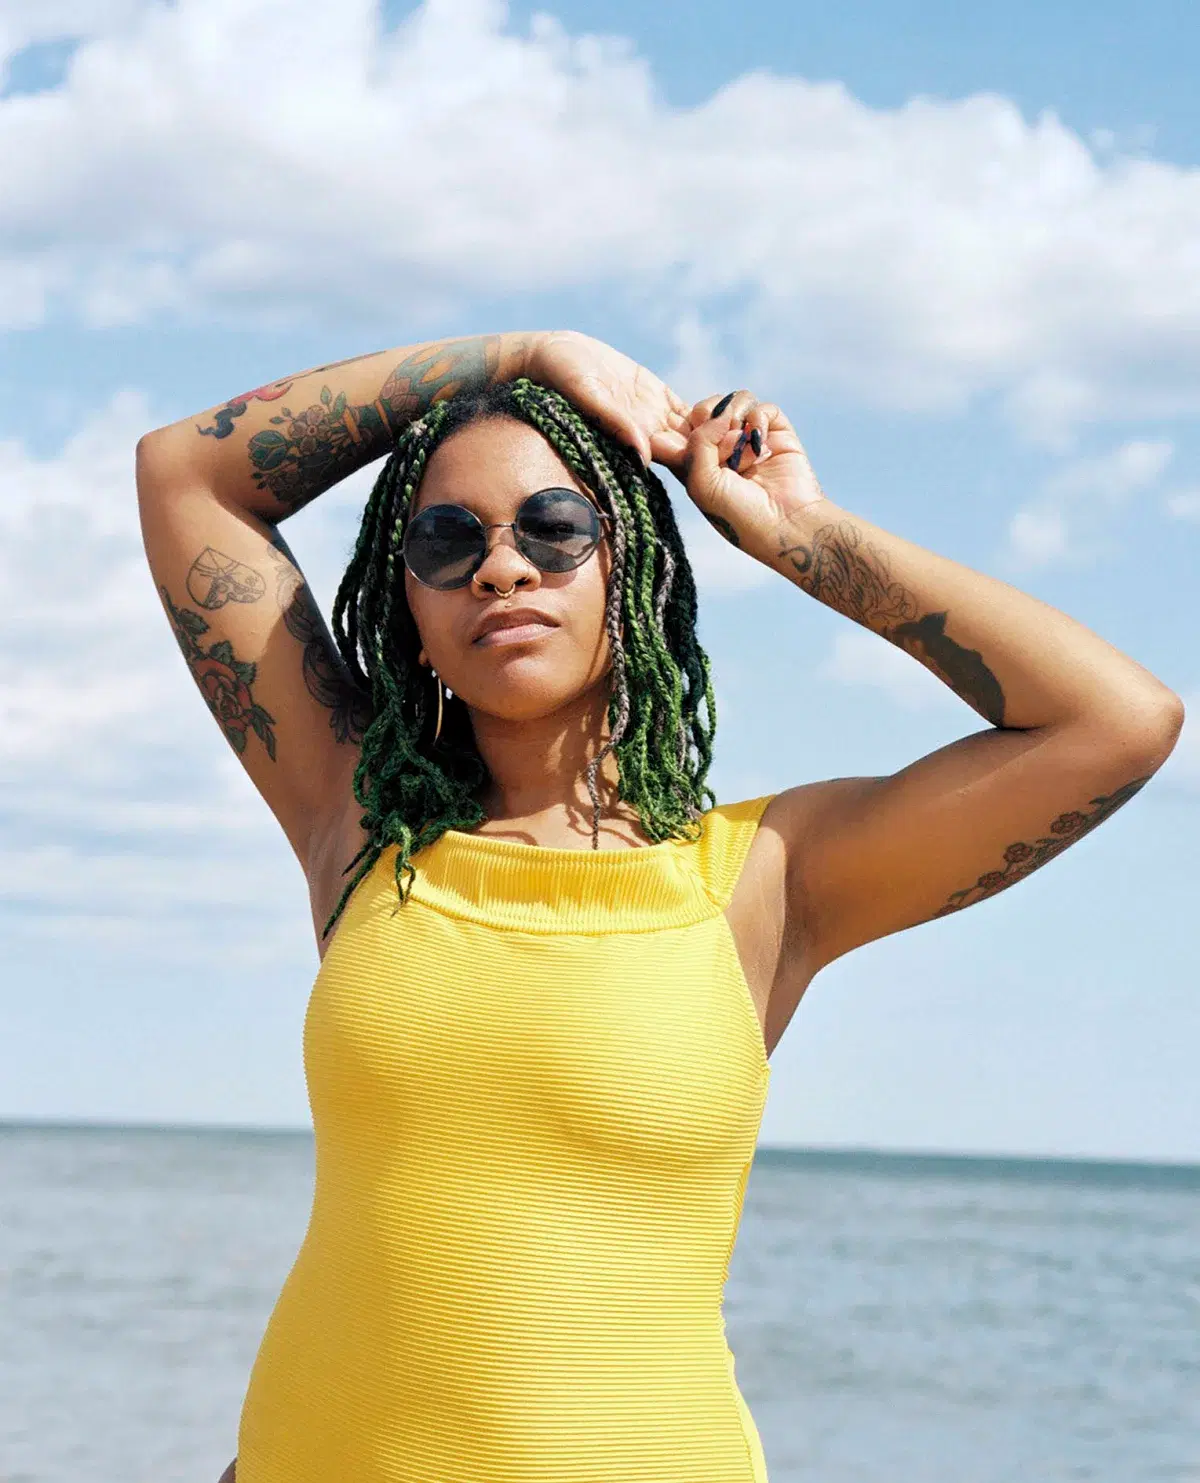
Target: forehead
{"points": [[491, 466]]}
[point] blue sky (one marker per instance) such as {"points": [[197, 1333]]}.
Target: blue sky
{"points": [[958, 247]]}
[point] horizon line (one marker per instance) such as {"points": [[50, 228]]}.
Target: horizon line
{"points": [[838, 1151]]}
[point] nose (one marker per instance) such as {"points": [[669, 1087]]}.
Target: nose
{"points": [[504, 566]]}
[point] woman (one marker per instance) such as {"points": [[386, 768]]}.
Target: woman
{"points": [[551, 977]]}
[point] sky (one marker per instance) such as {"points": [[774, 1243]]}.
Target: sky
{"points": [[959, 245]]}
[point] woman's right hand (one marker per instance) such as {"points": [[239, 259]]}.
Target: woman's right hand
{"points": [[627, 399]]}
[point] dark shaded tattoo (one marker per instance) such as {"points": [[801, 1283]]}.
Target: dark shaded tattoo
{"points": [[960, 668], [1022, 859], [325, 676], [841, 568], [224, 680], [215, 579], [718, 522], [236, 407], [305, 451], [224, 417]]}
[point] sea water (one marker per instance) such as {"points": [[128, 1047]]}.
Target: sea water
{"points": [[894, 1319]]}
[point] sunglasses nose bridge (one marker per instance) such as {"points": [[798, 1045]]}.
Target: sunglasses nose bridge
{"points": [[491, 545]]}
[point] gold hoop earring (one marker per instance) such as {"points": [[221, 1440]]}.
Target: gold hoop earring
{"points": [[438, 729]]}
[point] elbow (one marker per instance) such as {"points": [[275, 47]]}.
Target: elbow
{"points": [[1173, 715], [146, 458], [1148, 728], [157, 462]]}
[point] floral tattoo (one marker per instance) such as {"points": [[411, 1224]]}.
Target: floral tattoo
{"points": [[307, 449], [224, 680], [1021, 859]]}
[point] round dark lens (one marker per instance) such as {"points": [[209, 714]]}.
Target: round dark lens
{"points": [[443, 546], [557, 528]]}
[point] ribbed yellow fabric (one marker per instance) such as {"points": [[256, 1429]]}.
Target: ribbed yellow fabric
{"points": [[536, 1089]]}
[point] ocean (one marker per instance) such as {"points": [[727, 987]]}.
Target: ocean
{"points": [[894, 1319]]}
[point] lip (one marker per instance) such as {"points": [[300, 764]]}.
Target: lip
{"points": [[497, 621], [521, 633]]}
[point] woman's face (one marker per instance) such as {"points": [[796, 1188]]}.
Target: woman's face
{"points": [[490, 467]]}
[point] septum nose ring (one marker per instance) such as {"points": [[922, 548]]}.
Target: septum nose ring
{"points": [[475, 579], [509, 593]]}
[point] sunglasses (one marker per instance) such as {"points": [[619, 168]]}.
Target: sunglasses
{"points": [[555, 529]]}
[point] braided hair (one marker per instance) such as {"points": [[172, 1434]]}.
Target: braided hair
{"points": [[412, 788]]}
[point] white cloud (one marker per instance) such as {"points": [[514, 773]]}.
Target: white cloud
{"points": [[1184, 504], [1038, 536], [862, 658], [1066, 521], [700, 368], [1112, 477], [126, 815], [23, 24], [249, 157]]}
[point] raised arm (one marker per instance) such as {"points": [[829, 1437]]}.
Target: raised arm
{"points": [[271, 450], [1077, 727], [212, 489]]}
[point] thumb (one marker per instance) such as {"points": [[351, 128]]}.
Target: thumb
{"points": [[702, 459]]}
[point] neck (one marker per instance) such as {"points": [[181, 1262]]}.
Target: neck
{"points": [[537, 768]]}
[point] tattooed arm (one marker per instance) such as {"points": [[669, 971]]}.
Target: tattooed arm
{"points": [[1079, 728], [272, 450], [1076, 729], [213, 488]]}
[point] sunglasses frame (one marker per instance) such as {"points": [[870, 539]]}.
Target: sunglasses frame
{"points": [[506, 525]]}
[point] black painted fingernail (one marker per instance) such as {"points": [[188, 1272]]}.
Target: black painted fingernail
{"points": [[722, 404], [736, 456], [756, 441]]}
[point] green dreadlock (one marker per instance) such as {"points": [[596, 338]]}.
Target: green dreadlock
{"points": [[413, 789]]}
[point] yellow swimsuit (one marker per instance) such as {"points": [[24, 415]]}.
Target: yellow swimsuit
{"points": [[535, 1090]]}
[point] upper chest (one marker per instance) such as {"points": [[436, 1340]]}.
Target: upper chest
{"points": [[756, 915]]}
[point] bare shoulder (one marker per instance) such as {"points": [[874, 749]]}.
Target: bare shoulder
{"points": [[794, 822], [767, 912]]}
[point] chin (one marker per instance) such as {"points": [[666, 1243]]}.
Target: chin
{"points": [[516, 697]]}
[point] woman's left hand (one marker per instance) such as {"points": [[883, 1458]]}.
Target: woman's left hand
{"points": [[746, 470]]}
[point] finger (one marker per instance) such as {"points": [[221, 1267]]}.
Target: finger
{"points": [[715, 407], [677, 405], [703, 410], [752, 443], [702, 461], [637, 439], [733, 428], [623, 428], [670, 449], [756, 428], [726, 408], [677, 421], [641, 442]]}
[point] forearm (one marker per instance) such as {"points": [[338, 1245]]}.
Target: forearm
{"points": [[274, 449], [1017, 661]]}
